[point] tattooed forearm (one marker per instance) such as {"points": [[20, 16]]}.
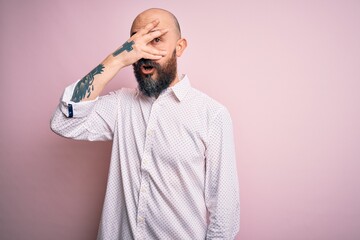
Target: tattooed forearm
{"points": [[85, 85], [126, 46]]}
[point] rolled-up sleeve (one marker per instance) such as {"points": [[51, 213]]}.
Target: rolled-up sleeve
{"points": [[88, 120], [221, 180]]}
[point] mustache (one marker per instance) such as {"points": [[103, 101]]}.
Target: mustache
{"points": [[146, 62]]}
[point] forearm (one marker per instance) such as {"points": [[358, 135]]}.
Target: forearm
{"points": [[90, 86]]}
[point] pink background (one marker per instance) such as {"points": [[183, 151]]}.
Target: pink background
{"points": [[288, 71]]}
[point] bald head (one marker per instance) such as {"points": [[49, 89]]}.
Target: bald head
{"points": [[166, 18]]}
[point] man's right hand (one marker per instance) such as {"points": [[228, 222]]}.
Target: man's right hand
{"points": [[138, 46]]}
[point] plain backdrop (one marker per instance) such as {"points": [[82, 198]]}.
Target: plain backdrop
{"points": [[288, 71]]}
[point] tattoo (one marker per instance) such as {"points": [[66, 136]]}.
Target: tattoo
{"points": [[85, 85], [126, 46]]}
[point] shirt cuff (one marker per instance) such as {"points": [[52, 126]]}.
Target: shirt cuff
{"points": [[75, 109]]}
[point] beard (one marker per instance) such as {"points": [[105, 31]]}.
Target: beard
{"points": [[150, 86]]}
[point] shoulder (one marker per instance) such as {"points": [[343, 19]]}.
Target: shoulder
{"points": [[205, 103]]}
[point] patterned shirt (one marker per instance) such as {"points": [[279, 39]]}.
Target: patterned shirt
{"points": [[173, 170]]}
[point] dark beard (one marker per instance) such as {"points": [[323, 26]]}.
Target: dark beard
{"points": [[165, 76]]}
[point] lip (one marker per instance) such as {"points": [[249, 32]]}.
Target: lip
{"points": [[147, 71]]}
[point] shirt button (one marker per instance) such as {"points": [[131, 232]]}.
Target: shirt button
{"points": [[150, 132], [143, 190], [141, 219]]}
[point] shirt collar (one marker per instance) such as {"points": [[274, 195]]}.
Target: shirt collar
{"points": [[181, 88]]}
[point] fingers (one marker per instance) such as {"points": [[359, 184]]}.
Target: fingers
{"points": [[151, 56], [152, 25], [154, 34], [148, 33], [141, 47], [149, 27], [154, 51]]}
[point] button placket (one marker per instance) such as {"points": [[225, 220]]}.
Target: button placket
{"points": [[142, 207], [149, 134], [145, 165]]}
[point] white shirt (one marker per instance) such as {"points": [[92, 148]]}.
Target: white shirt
{"points": [[173, 168]]}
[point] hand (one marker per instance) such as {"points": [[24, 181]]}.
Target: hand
{"points": [[138, 46]]}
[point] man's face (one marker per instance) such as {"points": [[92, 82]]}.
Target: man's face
{"points": [[154, 77]]}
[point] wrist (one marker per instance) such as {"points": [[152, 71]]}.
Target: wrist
{"points": [[113, 63]]}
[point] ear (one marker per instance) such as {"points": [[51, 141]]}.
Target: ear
{"points": [[181, 44]]}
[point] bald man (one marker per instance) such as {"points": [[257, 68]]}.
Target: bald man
{"points": [[173, 169]]}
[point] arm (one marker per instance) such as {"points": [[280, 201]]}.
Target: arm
{"points": [[82, 114], [137, 47], [221, 180]]}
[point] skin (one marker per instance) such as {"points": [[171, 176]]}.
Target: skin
{"points": [[154, 35]]}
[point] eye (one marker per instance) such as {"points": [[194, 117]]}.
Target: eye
{"points": [[156, 40]]}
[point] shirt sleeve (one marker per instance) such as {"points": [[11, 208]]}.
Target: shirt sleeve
{"points": [[89, 120], [221, 180]]}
